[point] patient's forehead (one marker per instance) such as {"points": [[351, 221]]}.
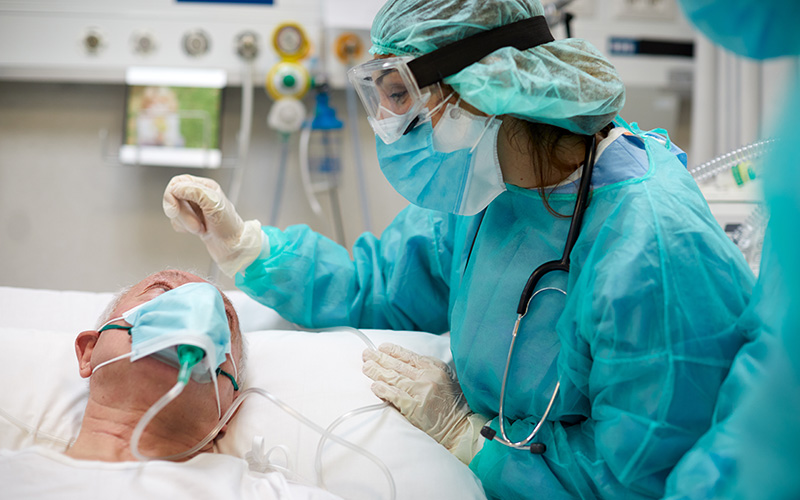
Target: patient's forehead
{"points": [[153, 286], [162, 281]]}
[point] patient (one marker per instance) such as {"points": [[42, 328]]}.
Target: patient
{"points": [[119, 395]]}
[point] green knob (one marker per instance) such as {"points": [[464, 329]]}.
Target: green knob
{"points": [[289, 81]]}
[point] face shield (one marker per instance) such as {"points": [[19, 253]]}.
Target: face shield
{"points": [[396, 91]]}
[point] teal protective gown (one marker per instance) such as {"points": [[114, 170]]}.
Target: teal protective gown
{"points": [[753, 449], [640, 344]]}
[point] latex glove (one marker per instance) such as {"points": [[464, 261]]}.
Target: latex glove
{"points": [[197, 205], [427, 393]]}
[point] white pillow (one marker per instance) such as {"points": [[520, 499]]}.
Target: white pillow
{"points": [[318, 374]]}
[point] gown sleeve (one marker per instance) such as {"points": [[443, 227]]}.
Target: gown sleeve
{"points": [[399, 281], [652, 322]]}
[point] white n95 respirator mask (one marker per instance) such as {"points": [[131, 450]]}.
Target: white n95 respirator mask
{"points": [[452, 168]]}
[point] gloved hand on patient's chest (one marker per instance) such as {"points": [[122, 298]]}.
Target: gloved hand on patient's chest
{"points": [[426, 392], [197, 205]]}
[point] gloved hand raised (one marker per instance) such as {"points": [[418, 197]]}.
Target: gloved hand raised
{"points": [[197, 205], [427, 393]]}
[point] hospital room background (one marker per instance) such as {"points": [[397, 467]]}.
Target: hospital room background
{"points": [[102, 102], [78, 212]]}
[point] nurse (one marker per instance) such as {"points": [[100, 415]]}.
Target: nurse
{"points": [[590, 380], [753, 449]]}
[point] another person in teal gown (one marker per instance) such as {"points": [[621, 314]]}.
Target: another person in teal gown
{"points": [[753, 449]]}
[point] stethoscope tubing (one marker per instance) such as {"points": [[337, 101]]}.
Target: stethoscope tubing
{"points": [[529, 292], [562, 264]]}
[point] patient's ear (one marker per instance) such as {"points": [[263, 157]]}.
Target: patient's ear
{"points": [[84, 345]]}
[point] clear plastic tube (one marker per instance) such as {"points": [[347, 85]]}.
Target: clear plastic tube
{"points": [[33, 431], [302, 418], [243, 146], [724, 163], [245, 131], [352, 118], [148, 416], [752, 228], [355, 331], [749, 236], [358, 411], [329, 431], [277, 195], [326, 434]]}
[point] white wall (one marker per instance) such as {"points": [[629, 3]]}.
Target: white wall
{"points": [[71, 219]]}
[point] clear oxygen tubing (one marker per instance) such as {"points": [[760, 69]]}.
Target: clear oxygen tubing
{"points": [[243, 139], [245, 131], [336, 209], [311, 189], [352, 124], [277, 194], [148, 416], [260, 460], [752, 229], [329, 432], [294, 413], [723, 163], [305, 170], [325, 433], [353, 413], [749, 236], [184, 374], [38, 434], [35, 432]]}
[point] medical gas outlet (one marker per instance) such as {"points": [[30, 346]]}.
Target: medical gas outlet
{"points": [[290, 42], [288, 80], [348, 48], [93, 41], [287, 83], [196, 43], [143, 43], [247, 45]]}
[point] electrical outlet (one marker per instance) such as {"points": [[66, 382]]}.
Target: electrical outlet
{"points": [[652, 10]]}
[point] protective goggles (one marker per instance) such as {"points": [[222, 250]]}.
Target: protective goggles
{"points": [[396, 91]]}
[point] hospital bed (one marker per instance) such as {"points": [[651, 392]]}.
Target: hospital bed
{"points": [[316, 373]]}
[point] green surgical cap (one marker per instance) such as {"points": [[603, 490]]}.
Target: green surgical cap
{"points": [[567, 83]]}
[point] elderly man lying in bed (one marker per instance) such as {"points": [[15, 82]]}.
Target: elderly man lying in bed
{"points": [[171, 340]]}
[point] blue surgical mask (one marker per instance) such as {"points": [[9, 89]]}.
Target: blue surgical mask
{"points": [[191, 314], [462, 178], [757, 29]]}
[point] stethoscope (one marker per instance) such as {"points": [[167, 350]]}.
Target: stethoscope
{"points": [[524, 302]]}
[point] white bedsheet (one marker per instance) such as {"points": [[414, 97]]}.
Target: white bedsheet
{"points": [[22, 473]]}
